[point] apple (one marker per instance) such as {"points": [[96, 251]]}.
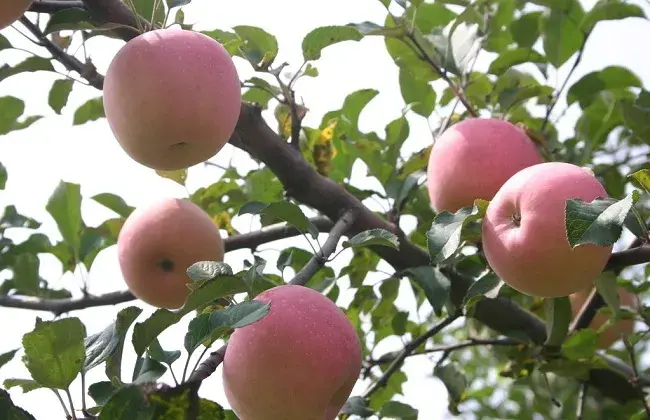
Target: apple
{"points": [[473, 159], [524, 233], [12, 10], [172, 98], [612, 333], [159, 242], [300, 361]]}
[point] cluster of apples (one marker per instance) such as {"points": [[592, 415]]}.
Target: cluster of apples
{"points": [[172, 99], [523, 232]]}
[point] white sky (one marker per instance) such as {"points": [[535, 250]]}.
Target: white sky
{"points": [[51, 150]]}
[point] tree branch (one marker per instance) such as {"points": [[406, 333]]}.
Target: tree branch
{"points": [[87, 71], [387, 358], [320, 258], [53, 6], [245, 240], [409, 348]]}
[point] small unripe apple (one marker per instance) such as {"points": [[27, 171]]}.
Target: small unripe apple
{"points": [[159, 242], [473, 159], [172, 98], [12, 10], [301, 361], [612, 333], [524, 231]]}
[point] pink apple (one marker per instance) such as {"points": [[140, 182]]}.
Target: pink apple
{"points": [[300, 361], [524, 234], [473, 159]]}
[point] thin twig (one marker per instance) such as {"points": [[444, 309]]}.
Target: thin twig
{"points": [[408, 349], [634, 380], [447, 348], [582, 400], [556, 98], [320, 258], [246, 240]]}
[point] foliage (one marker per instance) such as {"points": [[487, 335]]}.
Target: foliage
{"points": [[487, 372]]}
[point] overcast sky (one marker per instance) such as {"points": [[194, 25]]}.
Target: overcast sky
{"points": [[52, 150]]}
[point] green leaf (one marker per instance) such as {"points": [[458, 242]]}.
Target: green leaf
{"points": [[64, 205], [26, 385], [610, 10], [59, 93], [30, 64], [91, 110], [320, 38], [607, 285], [558, 317], [562, 34], [445, 236], [598, 222], [284, 211], [177, 3], [101, 392], [157, 353], [115, 203], [55, 352], [127, 403], [642, 179], [69, 19], [260, 47], [147, 370], [454, 379], [26, 277], [216, 323], [511, 58], [429, 16], [525, 30], [357, 406], [611, 78], [10, 411], [580, 345], [145, 332], [145, 8], [11, 109], [3, 176], [398, 410], [6, 357], [488, 286], [255, 279], [208, 270], [417, 92], [106, 345], [434, 283], [373, 237]]}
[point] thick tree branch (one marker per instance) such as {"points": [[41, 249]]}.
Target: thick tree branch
{"points": [[87, 71], [53, 6], [320, 258], [409, 348], [243, 241]]}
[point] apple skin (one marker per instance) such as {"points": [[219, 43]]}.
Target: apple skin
{"points": [[156, 245], [524, 236], [12, 10], [301, 361], [172, 98], [473, 159], [613, 333]]}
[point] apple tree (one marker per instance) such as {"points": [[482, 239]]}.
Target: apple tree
{"points": [[505, 317]]}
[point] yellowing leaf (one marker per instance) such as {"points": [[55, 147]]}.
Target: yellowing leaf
{"points": [[283, 116], [323, 151], [223, 221], [179, 176]]}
